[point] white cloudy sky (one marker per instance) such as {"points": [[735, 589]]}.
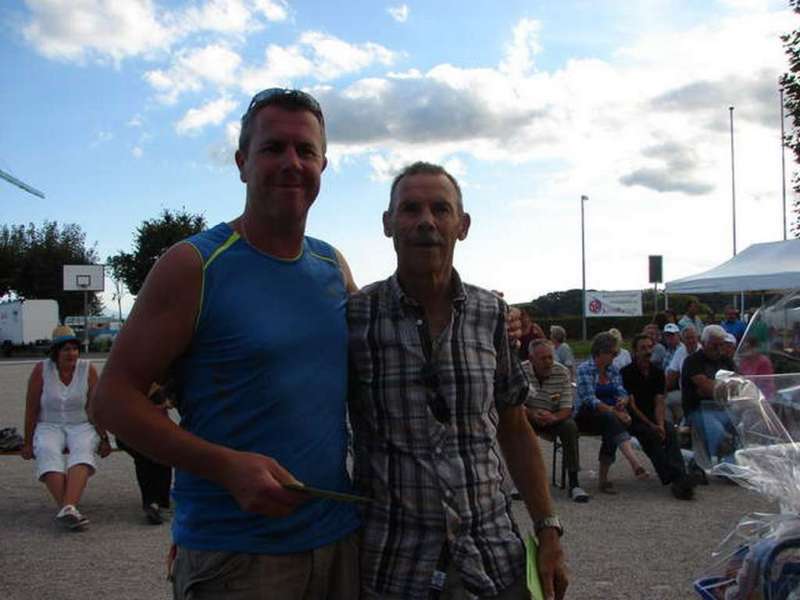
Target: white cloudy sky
{"points": [[119, 109]]}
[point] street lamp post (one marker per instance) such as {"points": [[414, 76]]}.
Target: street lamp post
{"points": [[583, 269]]}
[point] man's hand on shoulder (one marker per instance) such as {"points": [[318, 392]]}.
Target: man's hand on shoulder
{"points": [[256, 481]]}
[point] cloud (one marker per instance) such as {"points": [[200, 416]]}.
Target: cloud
{"points": [[221, 153], [225, 16], [192, 69], [756, 99], [110, 30], [137, 152], [103, 29], [676, 174], [317, 56], [398, 13], [523, 47], [135, 121], [417, 111], [273, 10], [101, 137], [211, 113]]}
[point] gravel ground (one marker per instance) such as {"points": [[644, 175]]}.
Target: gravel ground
{"points": [[640, 544]]}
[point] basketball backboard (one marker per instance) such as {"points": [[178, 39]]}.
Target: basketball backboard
{"points": [[84, 278]]}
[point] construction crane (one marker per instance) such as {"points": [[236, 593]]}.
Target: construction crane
{"points": [[20, 184]]}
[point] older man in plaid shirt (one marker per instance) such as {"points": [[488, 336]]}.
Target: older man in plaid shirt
{"points": [[436, 395]]}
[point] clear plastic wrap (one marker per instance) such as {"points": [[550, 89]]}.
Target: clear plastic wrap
{"points": [[760, 558], [759, 448]]}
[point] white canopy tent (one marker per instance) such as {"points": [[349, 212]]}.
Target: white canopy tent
{"points": [[767, 266]]}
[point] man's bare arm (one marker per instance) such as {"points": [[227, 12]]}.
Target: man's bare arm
{"points": [[158, 330], [524, 459], [347, 275]]}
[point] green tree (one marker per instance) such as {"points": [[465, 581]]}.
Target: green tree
{"points": [[153, 238], [32, 260], [790, 81]]}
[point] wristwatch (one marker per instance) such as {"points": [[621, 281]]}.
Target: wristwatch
{"points": [[551, 521]]}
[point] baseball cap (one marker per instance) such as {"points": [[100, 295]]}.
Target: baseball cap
{"points": [[730, 338], [671, 328], [63, 333]]}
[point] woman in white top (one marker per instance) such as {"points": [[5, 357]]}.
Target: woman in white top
{"points": [[623, 358], [56, 421]]}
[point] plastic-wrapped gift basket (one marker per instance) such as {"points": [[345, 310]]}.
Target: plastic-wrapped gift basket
{"points": [[760, 558]]}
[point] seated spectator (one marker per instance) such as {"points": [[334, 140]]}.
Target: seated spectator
{"points": [[549, 408], [644, 381], [623, 357], [154, 479], [563, 353], [530, 331], [601, 408], [732, 324], [704, 414], [671, 336], [674, 397], [753, 363], [653, 331], [56, 421], [691, 318], [729, 345]]}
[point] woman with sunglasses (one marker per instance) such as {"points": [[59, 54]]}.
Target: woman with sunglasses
{"points": [[58, 433], [601, 408]]}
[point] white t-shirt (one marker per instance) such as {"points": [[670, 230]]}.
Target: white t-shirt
{"points": [[676, 364], [623, 359]]}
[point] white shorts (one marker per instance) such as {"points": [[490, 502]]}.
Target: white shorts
{"points": [[49, 441]]}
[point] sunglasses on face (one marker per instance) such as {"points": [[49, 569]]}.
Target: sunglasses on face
{"points": [[436, 402]]}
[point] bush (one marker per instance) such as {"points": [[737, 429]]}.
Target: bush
{"points": [[628, 326]]}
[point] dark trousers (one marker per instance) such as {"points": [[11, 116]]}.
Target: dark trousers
{"points": [[665, 455], [567, 432], [608, 426], [154, 479]]}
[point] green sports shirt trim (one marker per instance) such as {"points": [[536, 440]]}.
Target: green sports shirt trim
{"points": [[232, 239], [333, 261]]}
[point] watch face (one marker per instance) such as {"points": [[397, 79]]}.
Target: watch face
{"points": [[553, 522]]}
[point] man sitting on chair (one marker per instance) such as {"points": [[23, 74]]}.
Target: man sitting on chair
{"points": [[549, 408], [657, 437]]}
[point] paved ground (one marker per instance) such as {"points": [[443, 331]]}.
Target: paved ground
{"points": [[641, 544]]}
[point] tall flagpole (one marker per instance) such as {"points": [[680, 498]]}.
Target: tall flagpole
{"points": [[783, 166], [733, 185]]}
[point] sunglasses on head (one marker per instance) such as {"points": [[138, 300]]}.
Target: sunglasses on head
{"points": [[270, 94]]}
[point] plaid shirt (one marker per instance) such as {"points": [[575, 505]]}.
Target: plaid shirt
{"points": [[587, 377], [425, 415]]}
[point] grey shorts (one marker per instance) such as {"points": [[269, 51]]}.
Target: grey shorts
{"points": [[326, 573]]}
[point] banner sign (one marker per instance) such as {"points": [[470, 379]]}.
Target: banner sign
{"points": [[614, 304]]}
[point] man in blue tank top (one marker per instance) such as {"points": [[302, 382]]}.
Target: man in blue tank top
{"points": [[229, 312]]}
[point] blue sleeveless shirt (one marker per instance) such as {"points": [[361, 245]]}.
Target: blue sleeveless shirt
{"points": [[266, 372]]}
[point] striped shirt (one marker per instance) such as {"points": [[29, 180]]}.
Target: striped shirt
{"points": [[554, 393], [425, 415]]}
